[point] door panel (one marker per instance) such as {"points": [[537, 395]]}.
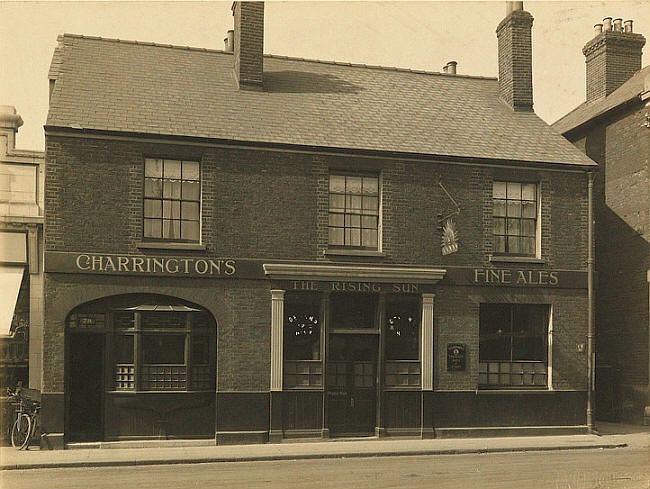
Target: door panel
{"points": [[86, 386], [351, 384]]}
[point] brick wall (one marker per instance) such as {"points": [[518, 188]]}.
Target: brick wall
{"points": [[621, 145]]}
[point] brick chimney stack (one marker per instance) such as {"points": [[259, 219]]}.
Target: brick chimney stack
{"points": [[612, 57], [516, 58], [249, 44]]}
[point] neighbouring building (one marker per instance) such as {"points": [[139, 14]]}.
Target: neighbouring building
{"points": [[249, 247], [21, 265], [612, 127]]}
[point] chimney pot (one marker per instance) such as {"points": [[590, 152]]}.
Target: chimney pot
{"points": [[512, 6], [607, 24], [445, 69], [451, 67], [598, 29], [628, 26], [229, 41], [618, 25]]}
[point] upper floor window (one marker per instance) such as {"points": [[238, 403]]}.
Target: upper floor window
{"points": [[172, 200], [514, 215], [354, 211]]}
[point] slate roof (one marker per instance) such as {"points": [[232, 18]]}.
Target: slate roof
{"points": [[586, 111], [113, 85]]}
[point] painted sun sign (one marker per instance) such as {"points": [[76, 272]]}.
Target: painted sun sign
{"points": [[449, 238]]}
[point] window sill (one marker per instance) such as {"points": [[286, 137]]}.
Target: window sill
{"points": [[516, 259], [344, 252], [171, 246], [497, 392]]}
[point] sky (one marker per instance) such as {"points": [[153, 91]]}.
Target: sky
{"points": [[421, 35]]}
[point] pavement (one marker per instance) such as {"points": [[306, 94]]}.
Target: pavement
{"points": [[609, 436]]}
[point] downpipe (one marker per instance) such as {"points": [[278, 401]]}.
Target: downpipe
{"points": [[591, 360]]}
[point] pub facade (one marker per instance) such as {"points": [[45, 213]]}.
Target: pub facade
{"points": [[294, 258]]}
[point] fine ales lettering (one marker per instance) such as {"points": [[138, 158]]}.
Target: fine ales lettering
{"points": [[146, 264], [407, 288], [515, 277]]}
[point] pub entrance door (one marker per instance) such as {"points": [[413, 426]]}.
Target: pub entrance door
{"points": [[351, 384], [85, 377]]}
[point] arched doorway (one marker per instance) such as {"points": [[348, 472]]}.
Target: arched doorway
{"points": [[137, 366]]}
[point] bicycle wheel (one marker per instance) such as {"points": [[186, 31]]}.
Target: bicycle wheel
{"points": [[21, 431]]}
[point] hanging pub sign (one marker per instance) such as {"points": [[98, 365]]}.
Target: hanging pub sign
{"points": [[449, 238], [455, 356]]}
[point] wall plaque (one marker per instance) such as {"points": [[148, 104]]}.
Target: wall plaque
{"points": [[455, 356]]}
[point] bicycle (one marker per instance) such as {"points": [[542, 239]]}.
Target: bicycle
{"points": [[26, 422]]}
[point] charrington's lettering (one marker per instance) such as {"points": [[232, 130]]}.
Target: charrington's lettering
{"points": [[155, 265], [515, 278]]}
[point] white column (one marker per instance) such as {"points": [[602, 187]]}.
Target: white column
{"points": [[426, 342], [277, 327]]}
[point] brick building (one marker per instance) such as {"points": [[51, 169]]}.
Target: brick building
{"points": [[250, 247], [21, 266], [613, 128]]}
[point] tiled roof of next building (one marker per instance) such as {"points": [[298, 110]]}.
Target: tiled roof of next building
{"points": [[127, 86]]}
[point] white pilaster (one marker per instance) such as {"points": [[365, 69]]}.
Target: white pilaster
{"points": [[426, 342], [277, 327]]}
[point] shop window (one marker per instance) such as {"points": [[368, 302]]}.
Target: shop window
{"points": [[513, 345], [153, 347], [302, 341], [402, 333], [172, 200], [354, 211], [514, 216], [353, 311]]}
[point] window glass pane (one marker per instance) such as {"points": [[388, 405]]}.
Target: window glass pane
{"points": [[528, 246], [402, 328], [152, 208], [171, 229], [528, 191], [190, 170], [171, 209], [163, 349], [370, 204], [172, 169], [514, 208], [499, 225], [499, 190], [369, 222], [355, 237], [337, 202], [499, 208], [337, 183], [353, 311], [336, 236], [370, 238], [153, 168], [353, 185], [191, 191], [499, 244], [354, 203], [152, 187], [123, 349], [190, 210], [353, 221], [302, 327], [336, 220], [514, 190], [152, 228], [527, 227], [513, 227], [529, 209], [190, 230], [513, 244], [172, 189], [370, 186]]}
